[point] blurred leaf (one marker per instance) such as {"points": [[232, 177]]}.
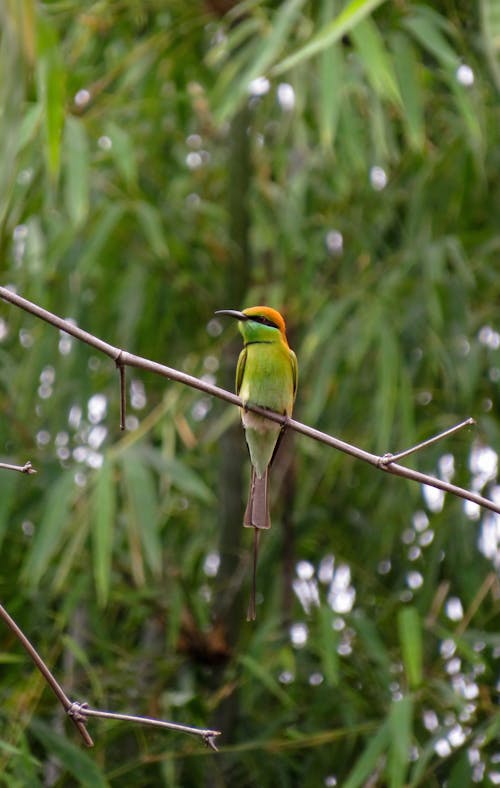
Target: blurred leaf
{"points": [[22, 764], [78, 763], [461, 773], [387, 394], [76, 167], [49, 533], [50, 79], [366, 763], [373, 644], [351, 15], [328, 644], [150, 221], [123, 153], [407, 72], [265, 677], [426, 25], [143, 510], [400, 725], [331, 81], [266, 51], [410, 638], [8, 487], [238, 35], [378, 66], [102, 233], [490, 28], [30, 124], [102, 528], [469, 115], [181, 476]]}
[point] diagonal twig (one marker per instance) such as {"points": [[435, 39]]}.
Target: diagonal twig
{"points": [[78, 712], [46, 673], [387, 459], [385, 463], [26, 468]]}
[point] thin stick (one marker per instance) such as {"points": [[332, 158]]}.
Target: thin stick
{"points": [[128, 359], [388, 458], [26, 468], [251, 612], [78, 712], [123, 397], [489, 582], [48, 676], [81, 711]]}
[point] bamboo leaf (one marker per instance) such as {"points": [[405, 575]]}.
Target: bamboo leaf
{"points": [[378, 66], [329, 640], [102, 529], [400, 725], [260, 672], [8, 487], [410, 638], [180, 475], [123, 153], [150, 221], [386, 398], [331, 83], [407, 70], [76, 168], [48, 536], [267, 50], [490, 28], [102, 232], [353, 13], [143, 509], [51, 91], [367, 761], [426, 26], [78, 763], [461, 773], [373, 644]]}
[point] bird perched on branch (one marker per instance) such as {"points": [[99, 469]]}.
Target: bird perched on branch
{"points": [[266, 376]]}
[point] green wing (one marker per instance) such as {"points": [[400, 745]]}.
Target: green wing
{"points": [[240, 369], [295, 371]]}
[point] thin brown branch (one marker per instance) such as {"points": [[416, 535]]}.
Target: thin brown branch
{"points": [[385, 463], [46, 673], [123, 395], [80, 711], [389, 458], [26, 468]]}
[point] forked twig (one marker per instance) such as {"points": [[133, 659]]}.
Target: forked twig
{"points": [[387, 459], [26, 468], [78, 712], [386, 463], [46, 673]]}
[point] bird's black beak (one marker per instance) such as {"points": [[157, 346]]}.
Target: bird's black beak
{"points": [[232, 313]]}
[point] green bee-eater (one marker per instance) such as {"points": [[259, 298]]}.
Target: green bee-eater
{"points": [[266, 375]]}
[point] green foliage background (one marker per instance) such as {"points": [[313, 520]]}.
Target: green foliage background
{"points": [[144, 185]]}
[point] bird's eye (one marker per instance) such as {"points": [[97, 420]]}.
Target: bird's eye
{"points": [[265, 321]]}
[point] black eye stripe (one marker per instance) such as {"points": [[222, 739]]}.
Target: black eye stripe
{"points": [[264, 320]]}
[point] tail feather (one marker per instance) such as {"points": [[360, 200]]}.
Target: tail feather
{"points": [[257, 510], [251, 614]]}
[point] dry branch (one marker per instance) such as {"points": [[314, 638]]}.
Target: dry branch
{"points": [[26, 468], [78, 712], [124, 359]]}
